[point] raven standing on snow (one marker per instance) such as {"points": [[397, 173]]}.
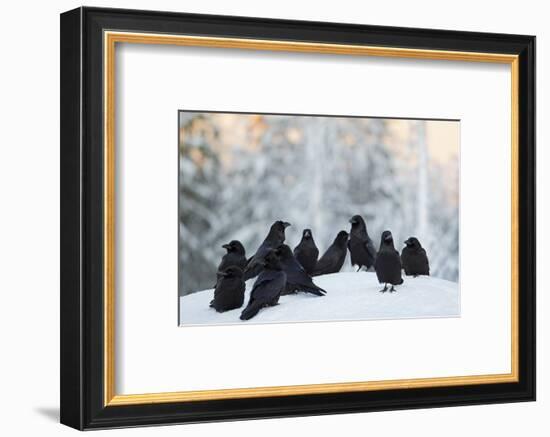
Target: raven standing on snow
{"points": [[333, 259], [414, 258], [273, 240], [296, 277], [229, 292], [361, 247], [388, 263], [235, 256], [306, 252], [268, 287]]}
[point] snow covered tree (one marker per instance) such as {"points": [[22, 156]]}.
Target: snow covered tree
{"points": [[199, 187]]}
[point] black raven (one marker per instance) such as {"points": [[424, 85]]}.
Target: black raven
{"points": [[361, 247], [306, 252], [333, 259], [235, 256], [229, 292], [414, 258], [297, 278], [274, 239], [268, 287], [388, 263]]}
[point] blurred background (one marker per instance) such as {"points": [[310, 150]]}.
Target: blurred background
{"points": [[238, 173]]}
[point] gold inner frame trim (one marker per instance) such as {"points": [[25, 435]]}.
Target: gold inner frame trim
{"points": [[110, 40]]}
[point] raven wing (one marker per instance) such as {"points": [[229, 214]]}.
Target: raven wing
{"points": [[268, 285], [426, 262], [324, 263], [369, 245]]}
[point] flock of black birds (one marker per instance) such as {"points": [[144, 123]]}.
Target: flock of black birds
{"points": [[281, 271]]}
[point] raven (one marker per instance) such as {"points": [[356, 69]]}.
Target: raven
{"points": [[274, 239], [388, 263], [235, 256], [361, 247], [306, 252], [268, 287], [297, 278], [414, 258], [229, 292], [333, 259]]}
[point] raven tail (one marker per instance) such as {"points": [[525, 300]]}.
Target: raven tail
{"points": [[250, 311], [317, 291]]}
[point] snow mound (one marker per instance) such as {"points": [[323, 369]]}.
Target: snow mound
{"points": [[350, 296]]}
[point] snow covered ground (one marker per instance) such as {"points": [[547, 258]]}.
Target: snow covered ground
{"points": [[350, 296]]}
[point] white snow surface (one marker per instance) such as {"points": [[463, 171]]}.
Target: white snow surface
{"points": [[350, 296]]}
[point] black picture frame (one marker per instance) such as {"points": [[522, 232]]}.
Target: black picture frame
{"points": [[82, 215]]}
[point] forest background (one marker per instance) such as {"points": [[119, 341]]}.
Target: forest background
{"points": [[238, 173]]}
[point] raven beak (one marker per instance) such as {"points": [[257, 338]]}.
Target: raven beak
{"points": [[226, 246], [352, 221], [286, 224], [388, 238], [224, 274]]}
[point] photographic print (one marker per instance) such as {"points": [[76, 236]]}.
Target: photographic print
{"points": [[294, 218], [255, 178]]}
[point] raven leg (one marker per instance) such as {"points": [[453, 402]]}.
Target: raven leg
{"points": [[359, 268], [384, 289], [392, 289]]}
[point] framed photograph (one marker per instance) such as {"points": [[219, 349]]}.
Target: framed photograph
{"points": [[268, 218]]}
